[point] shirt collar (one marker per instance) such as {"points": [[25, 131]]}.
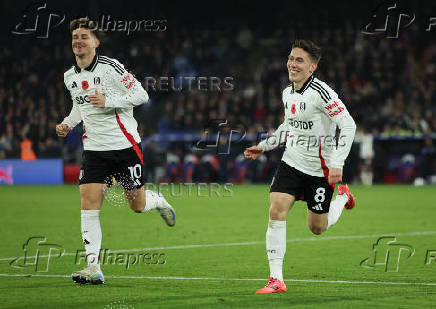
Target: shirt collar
{"points": [[89, 68], [305, 85]]}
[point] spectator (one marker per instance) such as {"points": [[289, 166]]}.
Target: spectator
{"points": [[51, 150], [428, 158], [27, 152]]}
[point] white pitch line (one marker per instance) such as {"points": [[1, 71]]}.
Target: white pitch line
{"points": [[249, 243], [233, 279]]}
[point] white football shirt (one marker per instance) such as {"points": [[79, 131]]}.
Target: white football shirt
{"points": [[312, 114], [112, 127]]}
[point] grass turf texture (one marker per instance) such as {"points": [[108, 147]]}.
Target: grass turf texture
{"points": [[53, 212]]}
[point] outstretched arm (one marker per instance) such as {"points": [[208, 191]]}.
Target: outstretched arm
{"points": [[271, 142]]}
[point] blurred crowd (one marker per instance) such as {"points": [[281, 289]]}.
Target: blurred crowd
{"points": [[388, 86]]}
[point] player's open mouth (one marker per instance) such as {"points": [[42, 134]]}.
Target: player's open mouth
{"points": [[293, 72]]}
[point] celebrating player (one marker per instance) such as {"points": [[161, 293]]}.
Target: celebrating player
{"points": [[313, 159], [104, 95]]}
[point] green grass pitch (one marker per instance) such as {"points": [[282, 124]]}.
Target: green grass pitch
{"points": [[215, 255]]}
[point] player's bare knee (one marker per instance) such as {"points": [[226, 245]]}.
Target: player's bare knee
{"points": [[89, 202], [137, 205], [136, 208], [136, 200], [316, 229], [277, 213], [280, 205], [91, 196]]}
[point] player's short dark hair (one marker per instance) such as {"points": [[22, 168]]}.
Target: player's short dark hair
{"points": [[310, 47], [85, 23]]}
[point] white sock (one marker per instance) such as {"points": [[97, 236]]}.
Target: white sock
{"points": [[276, 247], [152, 200], [336, 208], [91, 235]]}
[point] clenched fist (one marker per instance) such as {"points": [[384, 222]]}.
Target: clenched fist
{"points": [[335, 175], [62, 130]]}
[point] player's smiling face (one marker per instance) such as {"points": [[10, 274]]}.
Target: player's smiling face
{"points": [[300, 65], [84, 42]]}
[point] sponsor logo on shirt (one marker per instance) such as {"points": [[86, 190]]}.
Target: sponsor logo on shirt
{"points": [[334, 109], [82, 99], [128, 81], [299, 124]]}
